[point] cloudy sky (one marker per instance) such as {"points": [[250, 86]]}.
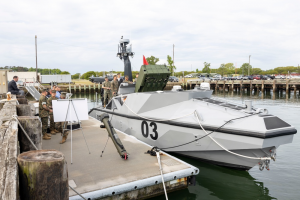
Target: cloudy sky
{"points": [[80, 36]]}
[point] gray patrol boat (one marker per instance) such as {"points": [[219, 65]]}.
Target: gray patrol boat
{"points": [[191, 123]]}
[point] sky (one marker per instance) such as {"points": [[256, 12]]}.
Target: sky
{"points": [[81, 36]]}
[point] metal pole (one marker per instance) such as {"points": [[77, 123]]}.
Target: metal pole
{"points": [[249, 66], [36, 57], [173, 59]]}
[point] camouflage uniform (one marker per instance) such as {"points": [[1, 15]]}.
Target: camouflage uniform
{"points": [[107, 92], [52, 124], [43, 114], [114, 87]]}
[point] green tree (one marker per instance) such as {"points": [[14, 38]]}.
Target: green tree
{"points": [[88, 74], [206, 68], [256, 71], [244, 69], [75, 76], [65, 72], [171, 64], [230, 68], [222, 70], [45, 71], [152, 60], [197, 70]]}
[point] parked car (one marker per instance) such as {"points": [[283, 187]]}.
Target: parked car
{"points": [[188, 76], [205, 79], [270, 77], [256, 77], [280, 77], [245, 78], [295, 77], [250, 77], [239, 77], [173, 79]]}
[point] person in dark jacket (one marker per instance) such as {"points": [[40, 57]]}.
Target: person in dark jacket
{"points": [[12, 87], [120, 80]]}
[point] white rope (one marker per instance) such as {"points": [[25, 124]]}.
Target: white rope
{"points": [[161, 172], [267, 158], [158, 120]]}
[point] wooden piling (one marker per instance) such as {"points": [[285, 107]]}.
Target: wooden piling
{"points": [[24, 110], [84, 88], [33, 127], [43, 175], [22, 100], [274, 86], [8, 152], [79, 87]]}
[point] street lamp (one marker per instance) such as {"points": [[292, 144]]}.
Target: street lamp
{"points": [[249, 66]]}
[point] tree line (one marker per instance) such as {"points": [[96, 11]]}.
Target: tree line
{"points": [[44, 71]]}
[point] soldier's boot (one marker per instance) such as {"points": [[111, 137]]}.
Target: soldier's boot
{"points": [[53, 132], [56, 131], [46, 137], [48, 134], [63, 139]]}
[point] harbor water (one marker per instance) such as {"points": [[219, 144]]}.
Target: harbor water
{"points": [[215, 182]]}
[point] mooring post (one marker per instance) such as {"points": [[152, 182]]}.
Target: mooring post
{"points": [[74, 88], [33, 128], [263, 86], [23, 110], [274, 86], [43, 175], [22, 100], [84, 88], [241, 85], [79, 88], [89, 88], [287, 91]]}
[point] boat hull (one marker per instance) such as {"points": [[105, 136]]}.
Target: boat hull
{"points": [[204, 149]]}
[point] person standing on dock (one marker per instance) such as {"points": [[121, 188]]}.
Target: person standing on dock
{"points": [[126, 80], [62, 126], [136, 77], [120, 80], [53, 130], [57, 92], [114, 86], [44, 114], [107, 90]]}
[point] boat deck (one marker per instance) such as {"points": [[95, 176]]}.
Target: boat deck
{"points": [[99, 177]]}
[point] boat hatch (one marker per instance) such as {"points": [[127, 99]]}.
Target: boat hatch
{"points": [[221, 103]]}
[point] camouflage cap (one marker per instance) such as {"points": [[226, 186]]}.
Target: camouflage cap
{"points": [[45, 90], [53, 91]]}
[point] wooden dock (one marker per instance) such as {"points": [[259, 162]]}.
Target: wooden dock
{"points": [[94, 177], [8, 151], [275, 85], [109, 176]]}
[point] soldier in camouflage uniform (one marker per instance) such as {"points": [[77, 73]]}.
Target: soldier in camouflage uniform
{"points": [[114, 86], [53, 131], [44, 114], [126, 80], [106, 85], [63, 125]]}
